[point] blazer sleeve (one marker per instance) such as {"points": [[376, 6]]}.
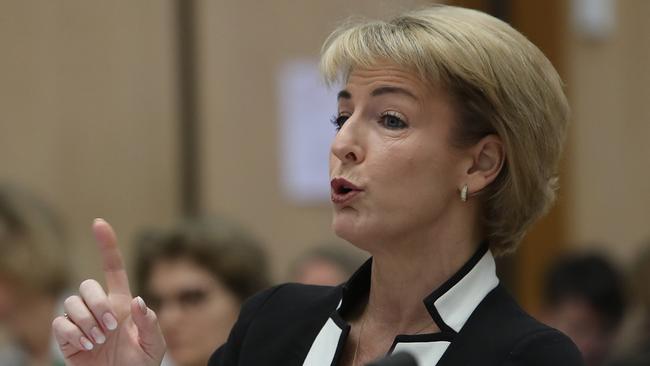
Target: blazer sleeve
{"points": [[545, 348], [228, 353]]}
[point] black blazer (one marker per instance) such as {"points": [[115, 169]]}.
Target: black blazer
{"points": [[480, 324]]}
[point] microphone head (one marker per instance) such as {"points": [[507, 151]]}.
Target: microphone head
{"points": [[396, 359]]}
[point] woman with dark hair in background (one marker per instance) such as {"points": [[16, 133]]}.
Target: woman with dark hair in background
{"points": [[584, 296], [450, 127], [196, 276]]}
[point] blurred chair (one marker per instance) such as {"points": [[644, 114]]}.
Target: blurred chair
{"points": [[33, 276], [584, 298], [196, 276]]}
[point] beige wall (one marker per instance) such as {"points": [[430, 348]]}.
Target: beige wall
{"points": [[609, 85], [87, 112]]}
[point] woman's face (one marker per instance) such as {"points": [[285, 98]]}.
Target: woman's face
{"points": [[25, 312], [394, 147], [195, 310]]}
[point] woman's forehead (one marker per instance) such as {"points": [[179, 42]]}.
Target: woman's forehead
{"points": [[383, 79], [382, 70]]}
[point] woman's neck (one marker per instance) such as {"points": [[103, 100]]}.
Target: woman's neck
{"points": [[403, 277]]}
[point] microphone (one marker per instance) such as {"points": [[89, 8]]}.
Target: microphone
{"points": [[396, 359]]}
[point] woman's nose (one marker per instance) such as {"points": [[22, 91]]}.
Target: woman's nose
{"points": [[347, 144], [170, 315]]}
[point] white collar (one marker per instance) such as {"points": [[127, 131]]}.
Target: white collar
{"points": [[450, 306]]}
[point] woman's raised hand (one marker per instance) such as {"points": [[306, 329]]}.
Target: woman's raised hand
{"points": [[108, 328]]}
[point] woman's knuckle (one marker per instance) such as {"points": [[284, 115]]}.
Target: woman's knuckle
{"points": [[57, 323], [94, 303], [71, 333], [88, 284], [87, 320], [70, 301]]}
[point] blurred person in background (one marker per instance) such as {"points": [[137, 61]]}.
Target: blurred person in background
{"points": [[33, 277], [326, 265], [636, 350], [584, 298], [195, 276]]}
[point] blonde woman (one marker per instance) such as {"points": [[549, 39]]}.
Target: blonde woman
{"points": [[450, 126], [33, 277]]}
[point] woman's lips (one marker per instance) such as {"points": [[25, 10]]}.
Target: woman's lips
{"points": [[343, 191]]}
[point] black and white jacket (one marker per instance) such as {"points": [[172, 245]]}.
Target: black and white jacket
{"points": [[480, 324]]}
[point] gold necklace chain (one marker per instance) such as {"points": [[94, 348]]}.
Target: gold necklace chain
{"points": [[363, 324]]}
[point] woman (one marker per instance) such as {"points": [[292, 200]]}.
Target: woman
{"points": [[450, 130], [584, 297], [195, 277], [33, 277]]}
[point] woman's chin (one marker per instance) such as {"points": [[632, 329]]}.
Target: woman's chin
{"points": [[342, 227], [352, 231], [181, 357]]}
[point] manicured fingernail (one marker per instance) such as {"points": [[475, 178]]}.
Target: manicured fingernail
{"points": [[98, 336], [109, 321], [141, 305], [86, 343]]}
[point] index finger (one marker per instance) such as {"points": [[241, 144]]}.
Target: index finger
{"points": [[117, 280]]}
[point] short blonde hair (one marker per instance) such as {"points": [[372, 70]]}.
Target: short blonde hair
{"points": [[32, 243], [499, 82]]}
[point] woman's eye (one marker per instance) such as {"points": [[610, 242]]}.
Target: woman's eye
{"points": [[339, 120], [192, 297], [392, 122]]}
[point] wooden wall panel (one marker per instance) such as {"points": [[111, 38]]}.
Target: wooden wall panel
{"points": [[609, 80]]}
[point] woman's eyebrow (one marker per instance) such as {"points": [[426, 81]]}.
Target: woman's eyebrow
{"points": [[344, 94], [393, 90]]}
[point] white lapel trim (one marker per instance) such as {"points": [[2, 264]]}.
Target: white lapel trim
{"points": [[323, 349], [457, 304]]}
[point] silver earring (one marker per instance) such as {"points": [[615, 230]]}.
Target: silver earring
{"points": [[463, 193]]}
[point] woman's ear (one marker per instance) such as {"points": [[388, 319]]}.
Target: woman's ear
{"points": [[488, 157]]}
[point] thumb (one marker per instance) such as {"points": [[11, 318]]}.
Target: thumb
{"points": [[149, 333]]}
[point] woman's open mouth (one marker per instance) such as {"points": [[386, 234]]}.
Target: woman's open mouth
{"points": [[343, 191]]}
